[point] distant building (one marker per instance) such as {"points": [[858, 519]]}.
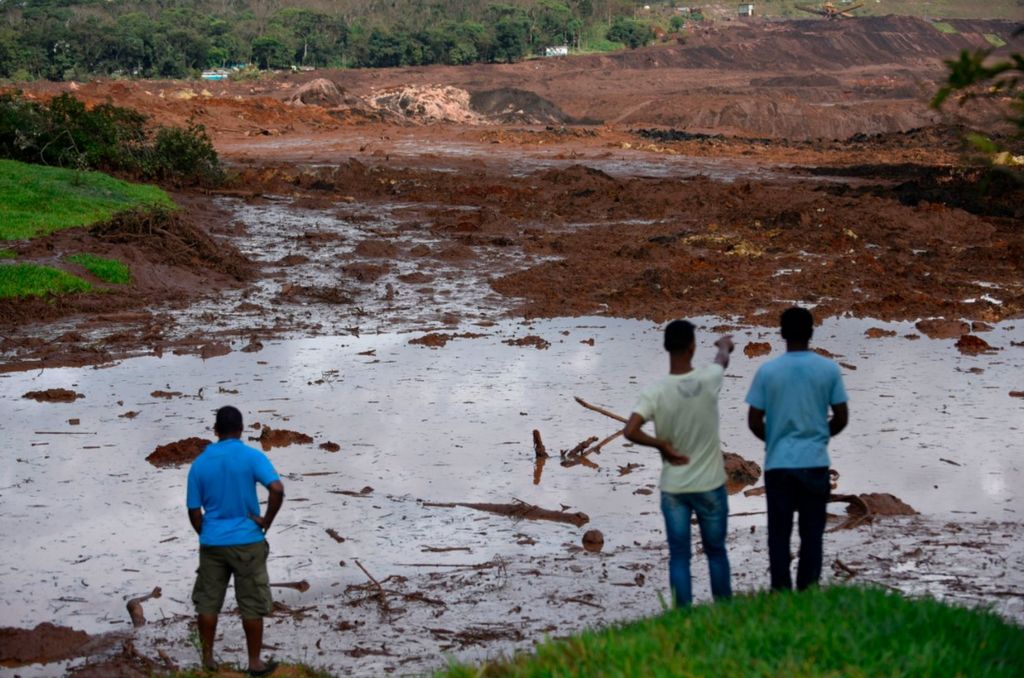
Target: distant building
{"points": [[746, 9], [557, 50]]}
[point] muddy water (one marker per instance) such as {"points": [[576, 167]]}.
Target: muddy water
{"points": [[89, 523]]}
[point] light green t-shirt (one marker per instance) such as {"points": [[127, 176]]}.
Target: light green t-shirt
{"points": [[684, 409]]}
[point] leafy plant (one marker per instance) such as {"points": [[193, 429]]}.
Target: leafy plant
{"points": [[65, 133]]}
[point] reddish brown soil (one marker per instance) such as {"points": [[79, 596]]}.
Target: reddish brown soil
{"points": [[54, 395], [827, 179], [45, 643], [278, 437], [178, 453], [740, 472]]}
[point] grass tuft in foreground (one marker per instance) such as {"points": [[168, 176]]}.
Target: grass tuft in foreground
{"points": [[107, 270], [36, 200], [32, 280], [838, 631]]}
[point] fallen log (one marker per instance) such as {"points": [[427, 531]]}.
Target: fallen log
{"points": [[135, 606], [519, 511]]}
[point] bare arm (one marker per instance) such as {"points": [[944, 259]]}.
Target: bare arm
{"points": [[195, 516], [840, 417], [633, 433], [725, 347], [755, 422], [274, 502]]}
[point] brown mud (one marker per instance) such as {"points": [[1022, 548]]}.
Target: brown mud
{"points": [[178, 453], [718, 182], [270, 438], [45, 643], [54, 395]]}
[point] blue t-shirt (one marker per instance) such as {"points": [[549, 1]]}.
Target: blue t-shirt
{"points": [[795, 391], [222, 481]]}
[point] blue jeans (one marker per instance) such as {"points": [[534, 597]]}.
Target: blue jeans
{"points": [[712, 509]]}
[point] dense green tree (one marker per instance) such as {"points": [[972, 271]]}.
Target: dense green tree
{"points": [[630, 32]]}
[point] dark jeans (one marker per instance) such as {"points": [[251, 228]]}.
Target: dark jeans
{"points": [[712, 509], [806, 491]]}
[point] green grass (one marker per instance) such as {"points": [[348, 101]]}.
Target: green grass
{"points": [[995, 40], [107, 270], [32, 280], [7, 254], [838, 631], [944, 27], [36, 200]]}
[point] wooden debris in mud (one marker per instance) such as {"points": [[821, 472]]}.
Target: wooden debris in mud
{"points": [[135, 607], [538, 446], [519, 511], [300, 586], [333, 534], [580, 446], [362, 494], [445, 549], [382, 596], [863, 508]]}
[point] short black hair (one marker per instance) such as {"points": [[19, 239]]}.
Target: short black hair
{"points": [[228, 422], [678, 336], [797, 324]]}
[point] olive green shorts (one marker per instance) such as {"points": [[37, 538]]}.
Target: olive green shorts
{"points": [[248, 564]]}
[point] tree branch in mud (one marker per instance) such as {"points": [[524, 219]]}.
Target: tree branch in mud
{"points": [[538, 446], [135, 607], [382, 596], [519, 511]]}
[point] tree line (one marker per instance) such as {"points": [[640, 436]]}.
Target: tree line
{"points": [[76, 39]]}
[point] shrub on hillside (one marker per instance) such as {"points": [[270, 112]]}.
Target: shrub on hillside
{"points": [[65, 133]]}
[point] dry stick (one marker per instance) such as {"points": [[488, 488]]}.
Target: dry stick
{"points": [[383, 593], [601, 410], [596, 449]]}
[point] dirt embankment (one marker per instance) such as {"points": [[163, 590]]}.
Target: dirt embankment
{"points": [[790, 79]]}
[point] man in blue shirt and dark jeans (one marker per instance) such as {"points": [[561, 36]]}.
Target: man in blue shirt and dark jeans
{"points": [[225, 513], [789, 403]]}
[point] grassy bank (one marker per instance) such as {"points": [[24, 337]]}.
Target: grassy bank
{"points": [[36, 200], [837, 631]]}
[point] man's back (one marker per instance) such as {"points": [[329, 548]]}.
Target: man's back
{"points": [[795, 391], [222, 481], [684, 409]]}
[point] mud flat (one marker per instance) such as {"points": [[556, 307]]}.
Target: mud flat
{"points": [[370, 307], [940, 437]]}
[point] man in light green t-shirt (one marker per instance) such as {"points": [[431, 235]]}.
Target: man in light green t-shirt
{"points": [[684, 409]]}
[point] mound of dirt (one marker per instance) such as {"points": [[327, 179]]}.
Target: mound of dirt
{"points": [[177, 453], [740, 472], [940, 328], [45, 643], [754, 349], [54, 395], [427, 103], [172, 238], [529, 340], [511, 105], [320, 92], [280, 437]]}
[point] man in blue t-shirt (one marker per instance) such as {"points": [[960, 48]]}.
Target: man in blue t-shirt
{"points": [[789, 403], [225, 513]]}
